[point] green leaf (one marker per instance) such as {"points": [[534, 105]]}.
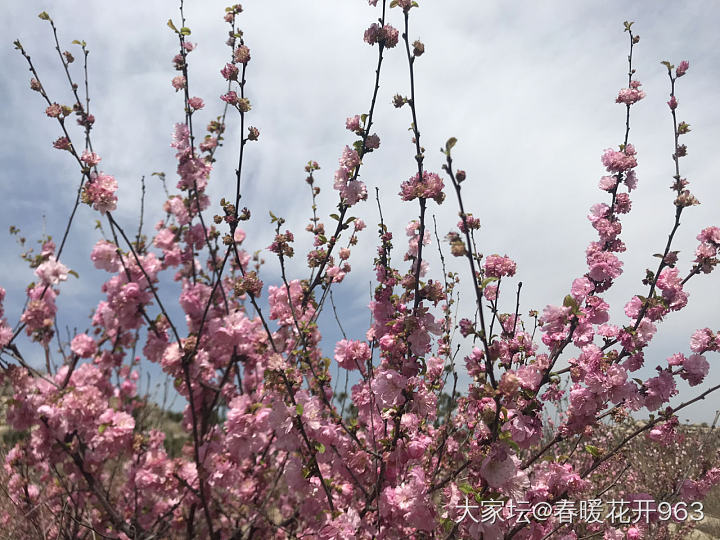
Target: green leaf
{"points": [[594, 451], [452, 141], [299, 409], [171, 25], [320, 447], [74, 273], [570, 302], [487, 281], [185, 31], [102, 428], [44, 16], [335, 217], [465, 488]]}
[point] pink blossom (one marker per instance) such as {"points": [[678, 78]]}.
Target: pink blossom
{"points": [[40, 311], [612, 533], [529, 376], [622, 203], [501, 471], [347, 523], [682, 68], [388, 386], [100, 192], [499, 266], [349, 159], [615, 161], [350, 190], [710, 235], [408, 502], [554, 318], [54, 110], [702, 340], [372, 34], [583, 403], [181, 138], [630, 95], [353, 123], [608, 183], [62, 143], [664, 433], [581, 288], [52, 272], [696, 369], [179, 83], [490, 292], [6, 333], [472, 223], [164, 239], [645, 332], [230, 72], [372, 142], [104, 256], [603, 266], [230, 98], [435, 367], [673, 103], [195, 103], [431, 187], [91, 158], [83, 345], [352, 354], [525, 430], [242, 54], [670, 283], [659, 390], [389, 36]]}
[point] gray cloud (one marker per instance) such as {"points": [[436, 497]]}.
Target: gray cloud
{"points": [[527, 88]]}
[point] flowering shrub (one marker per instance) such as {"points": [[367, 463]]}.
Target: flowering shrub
{"points": [[270, 449]]}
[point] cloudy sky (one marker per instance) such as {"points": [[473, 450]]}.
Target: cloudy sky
{"points": [[528, 89]]}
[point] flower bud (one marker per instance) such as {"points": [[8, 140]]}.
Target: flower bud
{"points": [[243, 105]]}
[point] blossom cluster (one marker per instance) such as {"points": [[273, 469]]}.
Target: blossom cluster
{"points": [[270, 446]]}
